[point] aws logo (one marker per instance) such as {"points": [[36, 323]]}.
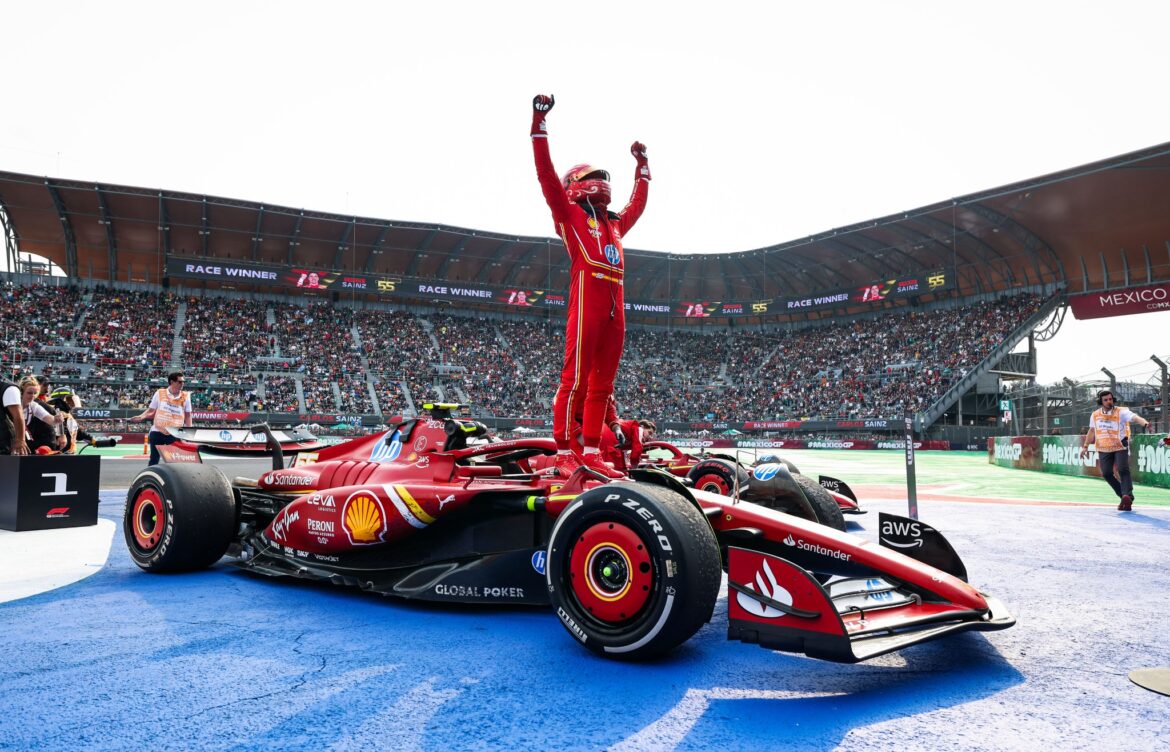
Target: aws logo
{"points": [[387, 451]]}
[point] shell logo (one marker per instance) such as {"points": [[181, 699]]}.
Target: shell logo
{"points": [[363, 518]]}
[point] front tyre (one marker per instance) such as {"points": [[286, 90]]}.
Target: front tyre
{"points": [[179, 518], [825, 507], [633, 570]]}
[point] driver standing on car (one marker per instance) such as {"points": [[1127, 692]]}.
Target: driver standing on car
{"points": [[596, 329]]}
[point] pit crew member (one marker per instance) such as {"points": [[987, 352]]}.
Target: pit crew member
{"points": [[1108, 426], [169, 408]]}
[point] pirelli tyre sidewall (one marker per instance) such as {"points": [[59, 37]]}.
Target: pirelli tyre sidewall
{"points": [[719, 476], [179, 518], [633, 570]]}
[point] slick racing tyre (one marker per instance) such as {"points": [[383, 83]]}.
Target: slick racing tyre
{"points": [[794, 494], [719, 476], [633, 570], [827, 511], [179, 518]]}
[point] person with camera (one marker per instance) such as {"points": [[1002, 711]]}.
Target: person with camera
{"points": [[48, 435], [1109, 429], [42, 424], [66, 401]]}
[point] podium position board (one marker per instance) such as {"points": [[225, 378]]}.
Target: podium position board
{"points": [[48, 492]]}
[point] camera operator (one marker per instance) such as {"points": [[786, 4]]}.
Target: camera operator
{"points": [[66, 401], [42, 423], [49, 434]]}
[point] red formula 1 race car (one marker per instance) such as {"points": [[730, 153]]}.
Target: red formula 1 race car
{"points": [[770, 481], [434, 510]]}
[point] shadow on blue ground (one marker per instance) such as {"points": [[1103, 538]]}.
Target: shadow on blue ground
{"points": [[222, 659], [1145, 519]]}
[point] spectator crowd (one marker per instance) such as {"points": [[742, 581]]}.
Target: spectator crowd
{"points": [[250, 355]]}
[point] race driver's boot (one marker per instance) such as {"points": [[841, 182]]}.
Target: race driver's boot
{"points": [[593, 461], [566, 463], [1126, 504]]}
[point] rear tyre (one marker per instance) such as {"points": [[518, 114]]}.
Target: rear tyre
{"points": [[719, 476], [179, 518], [633, 570]]}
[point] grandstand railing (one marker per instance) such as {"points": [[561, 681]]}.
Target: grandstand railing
{"points": [[968, 381]]}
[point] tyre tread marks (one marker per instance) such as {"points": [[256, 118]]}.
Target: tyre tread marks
{"points": [[201, 517], [704, 566], [826, 509]]}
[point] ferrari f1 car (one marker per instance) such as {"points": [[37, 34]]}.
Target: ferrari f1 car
{"points": [[434, 510], [770, 481]]}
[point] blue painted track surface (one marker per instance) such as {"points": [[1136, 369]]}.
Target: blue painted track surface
{"points": [[224, 660]]}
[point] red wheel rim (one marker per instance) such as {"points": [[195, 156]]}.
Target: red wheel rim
{"points": [[713, 483], [610, 572], [148, 517]]}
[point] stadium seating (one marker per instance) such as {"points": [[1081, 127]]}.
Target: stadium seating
{"points": [[115, 346]]}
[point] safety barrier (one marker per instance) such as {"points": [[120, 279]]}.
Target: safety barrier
{"points": [[1149, 458]]}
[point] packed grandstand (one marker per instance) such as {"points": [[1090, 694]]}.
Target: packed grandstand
{"points": [[258, 356], [296, 316]]}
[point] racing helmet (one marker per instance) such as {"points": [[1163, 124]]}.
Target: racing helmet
{"points": [[768, 459], [584, 182]]}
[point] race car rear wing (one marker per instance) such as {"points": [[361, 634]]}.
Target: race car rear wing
{"points": [[779, 605], [253, 441]]}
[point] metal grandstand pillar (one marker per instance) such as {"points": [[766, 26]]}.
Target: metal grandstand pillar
{"points": [[454, 253], [1162, 395], [295, 239], [257, 237], [164, 227], [205, 228], [523, 263], [376, 248], [10, 238], [343, 242], [67, 228], [107, 221], [1038, 250]]}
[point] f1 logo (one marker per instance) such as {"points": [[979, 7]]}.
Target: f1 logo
{"points": [[60, 483]]}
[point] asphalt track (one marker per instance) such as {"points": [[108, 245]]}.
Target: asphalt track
{"points": [[225, 660]]}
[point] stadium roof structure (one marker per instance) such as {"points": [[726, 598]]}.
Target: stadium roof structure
{"points": [[1100, 226]]}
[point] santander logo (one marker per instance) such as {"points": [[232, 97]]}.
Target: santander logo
{"points": [[768, 587]]}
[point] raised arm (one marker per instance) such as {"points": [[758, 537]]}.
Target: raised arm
{"points": [[550, 184], [637, 204]]}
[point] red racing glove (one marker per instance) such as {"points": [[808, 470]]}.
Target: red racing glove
{"points": [[541, 104], [638, 149]]}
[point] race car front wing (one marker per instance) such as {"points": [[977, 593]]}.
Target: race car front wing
{"points": [[780, 605]]}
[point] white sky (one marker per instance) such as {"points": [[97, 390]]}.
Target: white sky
{"points": [[764, 122]]}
